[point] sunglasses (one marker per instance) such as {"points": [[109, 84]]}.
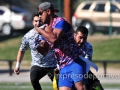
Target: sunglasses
{"points": [[41, 12]]}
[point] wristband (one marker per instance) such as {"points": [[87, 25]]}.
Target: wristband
{"points": [[18, 65]]}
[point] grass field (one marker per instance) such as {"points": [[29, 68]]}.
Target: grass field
{"points": [[45, 86], [23, 86], [105, 48]]}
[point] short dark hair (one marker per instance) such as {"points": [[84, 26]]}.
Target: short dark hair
{"points": [[35, 14], [81, 29]]}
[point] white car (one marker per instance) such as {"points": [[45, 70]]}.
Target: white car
{"points": [[14, 18]]}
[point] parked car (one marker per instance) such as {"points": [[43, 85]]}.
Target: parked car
{"points": [[96, 16], [14, 18]]}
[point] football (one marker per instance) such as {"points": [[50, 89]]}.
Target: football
{"points": [[43, 48]]}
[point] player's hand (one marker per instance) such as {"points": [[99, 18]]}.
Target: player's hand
{"points": [[37, 41], [49, 29], [56, 70], [16, 71]]}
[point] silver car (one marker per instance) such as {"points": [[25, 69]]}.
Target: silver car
{"points": [[14, 18], [97, 16]]}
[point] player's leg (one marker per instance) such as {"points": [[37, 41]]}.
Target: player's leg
{"points": [[53, 74], [65, 80], [80, 86], [50, 72], [64, 88], [36, 74], [93, 82], [79, 73], [96, 86]]}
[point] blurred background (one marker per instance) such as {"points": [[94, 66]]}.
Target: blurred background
{"points": [[101, 17]]}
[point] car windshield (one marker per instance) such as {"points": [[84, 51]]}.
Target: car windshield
{"points": [[17, 9]]}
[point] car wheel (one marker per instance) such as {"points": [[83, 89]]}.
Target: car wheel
{"points": [[89, 26], [6, 29]]}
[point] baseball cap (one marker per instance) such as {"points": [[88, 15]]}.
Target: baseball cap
{"points": [[47, 5]]}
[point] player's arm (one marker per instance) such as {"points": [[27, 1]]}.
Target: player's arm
{"points": [[20, 56], [24, 46], [51, 35]]}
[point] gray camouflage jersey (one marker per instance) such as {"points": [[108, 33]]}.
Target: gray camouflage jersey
{"points": [[38, 59]]}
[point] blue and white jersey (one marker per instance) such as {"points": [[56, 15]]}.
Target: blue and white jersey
{"points": [[38, 59], [87, 50]]}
